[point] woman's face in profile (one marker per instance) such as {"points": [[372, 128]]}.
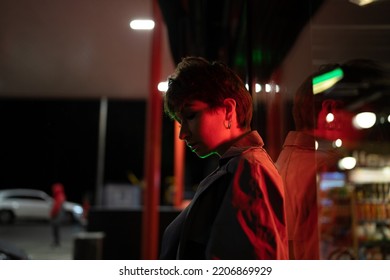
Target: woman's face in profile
{"points": [[202, 128]]}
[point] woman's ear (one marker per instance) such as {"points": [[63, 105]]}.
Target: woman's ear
{"points": [[230, 107]]}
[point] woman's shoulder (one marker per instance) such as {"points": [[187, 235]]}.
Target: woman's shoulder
{"points": [[257, 158], [256, 155]]}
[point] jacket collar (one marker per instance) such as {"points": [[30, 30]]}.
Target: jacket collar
{"points": [[302, 139], [307, 141], [246, 141]]}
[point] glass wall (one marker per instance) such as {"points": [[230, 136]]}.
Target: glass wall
{"points": [[342, 56]]}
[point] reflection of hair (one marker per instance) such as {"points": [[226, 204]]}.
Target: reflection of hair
{"points": [[197, 79], [363, 71], [306, 107], [356, 72]]}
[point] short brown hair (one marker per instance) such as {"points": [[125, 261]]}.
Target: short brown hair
{"points": [[211, 82]]}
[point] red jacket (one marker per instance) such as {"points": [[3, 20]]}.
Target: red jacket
{"points": [[59, 198], [237, 212]]}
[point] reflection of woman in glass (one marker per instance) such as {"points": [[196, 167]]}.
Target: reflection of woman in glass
{"points": [[237, 211], [324, 106]]}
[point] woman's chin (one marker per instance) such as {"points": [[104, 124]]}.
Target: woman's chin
{"points": [[202, 154]]}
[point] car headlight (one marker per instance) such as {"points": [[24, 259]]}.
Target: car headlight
{"points": [[78, 210]]}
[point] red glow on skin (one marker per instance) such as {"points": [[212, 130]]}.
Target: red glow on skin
{"points": [[202, 128]]}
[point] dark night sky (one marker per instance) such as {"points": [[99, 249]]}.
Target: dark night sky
{"points": [[47, 140], [43, 141]]}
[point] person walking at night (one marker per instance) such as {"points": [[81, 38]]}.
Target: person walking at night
{"points": [[238, 210], [57, 212]]}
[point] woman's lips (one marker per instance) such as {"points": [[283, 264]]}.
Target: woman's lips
{"points": [[192, 146]]}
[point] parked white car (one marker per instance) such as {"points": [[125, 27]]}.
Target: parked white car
{"points": [[31, 204]]}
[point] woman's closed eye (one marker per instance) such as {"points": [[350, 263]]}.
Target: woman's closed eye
{"points": [[190, 115]]}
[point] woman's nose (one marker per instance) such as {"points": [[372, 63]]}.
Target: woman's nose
{"points": [[183, 133]]}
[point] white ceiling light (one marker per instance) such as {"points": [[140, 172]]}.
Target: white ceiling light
{"points": [[338, 143], [257, 87], [162, 86], [347, 163], [142, 24], [267, 87], [362, 2], [329, 118], [364, 120]]}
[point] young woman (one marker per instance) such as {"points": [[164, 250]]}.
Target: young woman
{"points": [[237, 211]]}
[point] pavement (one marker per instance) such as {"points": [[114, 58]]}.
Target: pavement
{"points": [[36, 240]]}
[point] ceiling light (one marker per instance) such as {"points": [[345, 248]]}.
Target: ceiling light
{"points": [[142, 24], [329, 118], [347, 163], [267, 87], [362, 2], [162, 86], [257, 87], [338, 143], [364, 120]]}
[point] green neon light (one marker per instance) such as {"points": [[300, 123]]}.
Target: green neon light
{"points": [[240, 60], [336, 73], [325, 81], [257, 56]]}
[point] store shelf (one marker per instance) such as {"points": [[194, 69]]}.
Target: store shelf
{"points": [[371, 220]]}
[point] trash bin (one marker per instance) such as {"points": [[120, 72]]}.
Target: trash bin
{"points": [[88, 246]]}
